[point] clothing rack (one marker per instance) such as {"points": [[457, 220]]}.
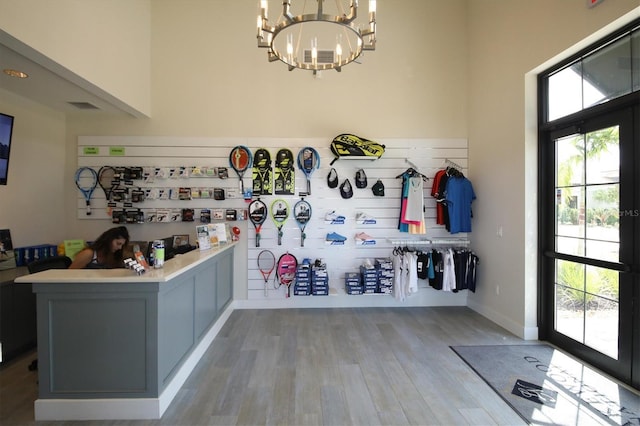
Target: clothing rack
{"points": [[412, 171], [455, 242], [453, 164]]}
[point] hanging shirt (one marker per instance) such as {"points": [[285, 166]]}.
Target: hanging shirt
{"points": [[459, 195], [412, 275], [398, 288], [435, 193], [449, 271], [415, 200]]}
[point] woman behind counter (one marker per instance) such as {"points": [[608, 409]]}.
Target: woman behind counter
{"points": [[105, 252]]}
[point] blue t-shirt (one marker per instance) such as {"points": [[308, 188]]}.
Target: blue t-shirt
{"points": [[459, 197]]}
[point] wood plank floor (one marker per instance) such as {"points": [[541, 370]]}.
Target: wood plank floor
{"points": [[351, 366]]}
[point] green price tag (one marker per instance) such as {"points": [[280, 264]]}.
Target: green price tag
{"points": [[116, 151], [91, 150]]}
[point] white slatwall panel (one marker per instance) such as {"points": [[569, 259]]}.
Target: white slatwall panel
{"points": [[428, 155]]}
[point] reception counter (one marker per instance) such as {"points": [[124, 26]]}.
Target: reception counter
{"points": [[115, 345]]}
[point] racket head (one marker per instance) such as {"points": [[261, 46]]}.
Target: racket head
{"points": [[284, 158], [240, 158], [262, 158], [302, 212], [107, 179], [308, 160], [279, 211], [257, 212], [86, 179], [266, 263], [286, 268]]}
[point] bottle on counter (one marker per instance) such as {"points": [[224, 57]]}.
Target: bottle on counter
{"points": [[158, 254]]}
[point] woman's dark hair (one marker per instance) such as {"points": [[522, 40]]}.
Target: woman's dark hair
{"points": [[103, 243]]}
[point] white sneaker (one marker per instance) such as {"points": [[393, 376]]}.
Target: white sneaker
{"points": [[332, 216], [364, 218]]}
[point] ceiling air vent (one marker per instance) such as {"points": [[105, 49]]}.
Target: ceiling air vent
{"points": [[324, 56], [83, 105]]}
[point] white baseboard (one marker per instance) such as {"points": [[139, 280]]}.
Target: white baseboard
{"points": [[525, 333]]}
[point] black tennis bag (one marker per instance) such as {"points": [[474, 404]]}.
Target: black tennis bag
{"points": [[355, 147]]}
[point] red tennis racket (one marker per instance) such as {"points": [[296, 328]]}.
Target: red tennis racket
{"points": [[240, 161], [286, 271], [257, 215], [266, 265]]}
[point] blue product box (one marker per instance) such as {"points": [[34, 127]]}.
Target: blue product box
{"points": [[301, 290], [353, 289], [322, 291]]}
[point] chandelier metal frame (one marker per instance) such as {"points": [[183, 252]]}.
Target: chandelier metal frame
{"points": [[268, 33]]}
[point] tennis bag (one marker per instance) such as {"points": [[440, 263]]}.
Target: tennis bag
{"points": [[352, 146]]}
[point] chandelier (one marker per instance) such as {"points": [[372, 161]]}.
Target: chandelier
{"points": [[316, 41]]}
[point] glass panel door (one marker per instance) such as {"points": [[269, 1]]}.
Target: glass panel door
{"points": [[590, 258], [587, 205]]}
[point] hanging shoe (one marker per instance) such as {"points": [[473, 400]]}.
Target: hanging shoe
{"points": [[334, 236], [361, 237], [365, 219], [334, 217]]}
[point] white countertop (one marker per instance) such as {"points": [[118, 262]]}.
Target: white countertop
{"points": [[172, 268]]}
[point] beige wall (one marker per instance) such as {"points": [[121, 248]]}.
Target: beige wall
{"points": [[441, 69], [105, 43], [507, 40], [32, 204]]}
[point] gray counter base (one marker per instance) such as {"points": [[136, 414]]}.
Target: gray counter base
{"points": [[129, 408]]}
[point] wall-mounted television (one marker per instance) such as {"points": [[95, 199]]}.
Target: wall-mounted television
{"points": [[6, 129]]}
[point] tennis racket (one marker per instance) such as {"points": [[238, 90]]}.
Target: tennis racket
{"points": [[240, 161], [86, 181], [257, 216], [279, 214], [286, 271], [262, 174], [285, 182], [308, 162], [302, 214], [266, 264], [107, 180]]}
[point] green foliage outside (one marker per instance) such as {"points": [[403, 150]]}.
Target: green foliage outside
{"points": [[579, 288]]}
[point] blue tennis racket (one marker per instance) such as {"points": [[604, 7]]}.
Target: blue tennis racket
{"points": [[308, 162], [87, 181]]}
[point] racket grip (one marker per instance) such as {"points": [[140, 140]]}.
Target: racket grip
{"points": [[88, 208], [257, 240]]}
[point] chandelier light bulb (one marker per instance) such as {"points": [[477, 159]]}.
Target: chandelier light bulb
{"points": [[314, 51], [290, 48]]}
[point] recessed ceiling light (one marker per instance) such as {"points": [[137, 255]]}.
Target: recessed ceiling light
{"points": [[15, 73]]}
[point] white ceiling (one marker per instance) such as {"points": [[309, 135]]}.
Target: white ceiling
{"points": [[52, 85]]}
